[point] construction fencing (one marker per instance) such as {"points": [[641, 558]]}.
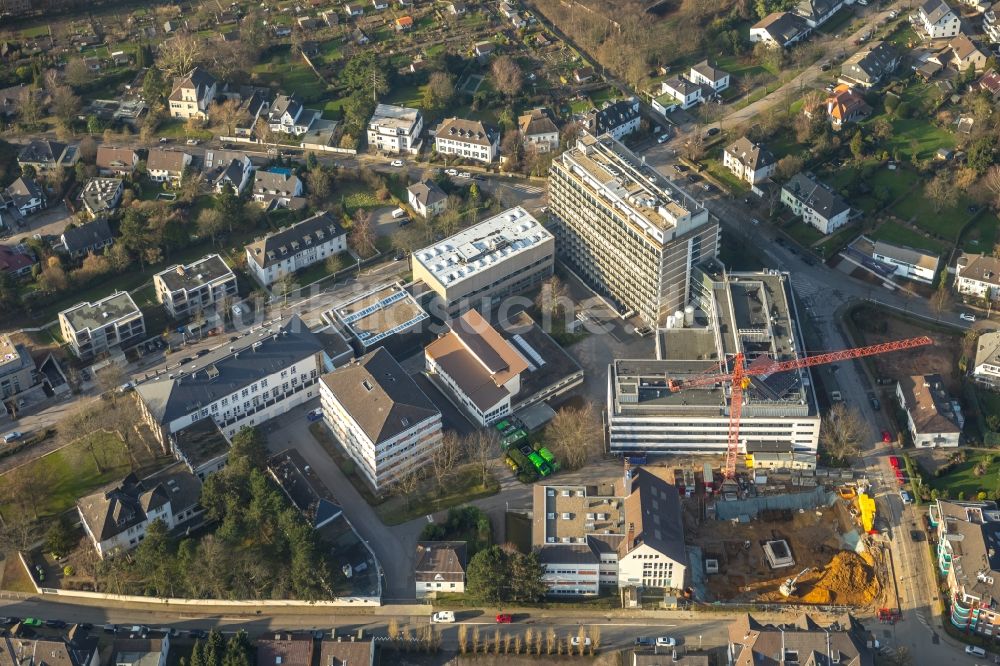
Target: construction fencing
{"points": [[791, 501]]}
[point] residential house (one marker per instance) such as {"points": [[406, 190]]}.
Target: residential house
{"points": [[287, 649], [244, 383], [354, 9], [43, 155], [965, 54], [583, 74], [933, 418], [17, 369], [426, 198], [16, 260], [404, 24], [748, 161], [89, 238], [288, 116], [359, 37], [167, 166], [330, 17], [385, 422], [966, 537], [908, 263], [991, 27], [116, 518], [817, 204], [75, 650], [193, 95], [539, 131], [869, 66], [395, 129], [990, 82], [985, 367], [295, 247], [187, 289], [139, 650], [845, 106], [469, 139], [780, 29], [94, 329], [618, 118], [309, 23], [278, 187], [707, 74], [977, 5], [25, 196], [116, 161], [439, 567], [102, 195], [978, 275], [511, 13], [801, 640], [627, 534], [936, 20], [483, 50], [677, 92], [456, 8], [380, 4], [227, 168], [346, 653], [817, 12]]}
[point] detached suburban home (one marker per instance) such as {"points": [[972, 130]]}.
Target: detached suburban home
{"points": [[193, 95], [707, 74], [933, 418], [748, 161], [24, 195], [677, 92], [909, 263], [426, 198], [91, 237], [817, 12], [986, 367], [868, 67], [538, 130], [780, 29], [816, 203], [845, 106], [978, 275], [439, 567], [167, 166], [964, 53], [116, 161], [936, 20]]}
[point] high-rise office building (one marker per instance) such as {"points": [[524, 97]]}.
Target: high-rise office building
{"points": [[627, 231]]}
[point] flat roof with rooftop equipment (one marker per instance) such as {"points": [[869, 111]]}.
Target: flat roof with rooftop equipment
{"points": [[108, 310], [378, 314]]}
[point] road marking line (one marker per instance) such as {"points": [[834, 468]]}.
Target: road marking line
{"points": [[429, 518]]}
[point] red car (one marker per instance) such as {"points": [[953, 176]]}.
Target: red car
{"points": [[894, 461], [886, 436], [504, 618]]}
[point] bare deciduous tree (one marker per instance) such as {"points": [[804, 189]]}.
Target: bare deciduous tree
{"points": [[506, 75], [362, 236], [179, 54], [228, 114], [575, 434], [841, 431], [481, 447], [445, 459]]}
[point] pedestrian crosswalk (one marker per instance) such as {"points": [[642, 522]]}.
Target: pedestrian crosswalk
{"points": [[805, 290]]}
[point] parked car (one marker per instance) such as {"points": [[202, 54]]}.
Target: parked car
{"points": [[712, 131], [905, 496], [576, 641], [314, 415], [876, 405], [451, 172], [886, 437], [8, 621], [893, 460], [443, 616], [32, 622], [835, 396], [110, 628], [13, 436], [465, 174], [55, 624], [504, 618], [192, 142], [396, 163], [967, 316], [666, 641], [662, 138], [645, 641]]}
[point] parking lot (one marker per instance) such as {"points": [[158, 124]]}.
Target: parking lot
{"points": [[49, 222]]}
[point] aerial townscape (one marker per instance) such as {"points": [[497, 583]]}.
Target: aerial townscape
{"points": [[480, 332]]}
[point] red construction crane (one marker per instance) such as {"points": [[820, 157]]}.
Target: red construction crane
{"points": [[739, 378]]}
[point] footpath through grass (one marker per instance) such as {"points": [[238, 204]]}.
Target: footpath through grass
{"points": [[58, 479]]}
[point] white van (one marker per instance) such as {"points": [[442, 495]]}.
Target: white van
{"points": [[443, 616], [975, 651], [398, 213]]}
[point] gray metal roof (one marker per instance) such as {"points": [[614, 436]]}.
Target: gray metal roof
{"points": [[228, 369]]}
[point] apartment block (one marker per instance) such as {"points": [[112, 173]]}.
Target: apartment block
{"points": [[185, 290], [612, 212], [629, 534], [381, 417], [501, 256], [967, 558], [296, 247], [749, 313], [17, 369], [92, 329], [395, 129]]}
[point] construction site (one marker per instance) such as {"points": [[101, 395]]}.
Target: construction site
{"points": [[789, 541]]}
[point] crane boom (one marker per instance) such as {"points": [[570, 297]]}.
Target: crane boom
{"points": [[762, 366]]}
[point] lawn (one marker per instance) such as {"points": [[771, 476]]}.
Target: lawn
{"points": [[919, 134], [602, 95], [894, 232], [290, 75], [837, 241], [981, 235], [962, 478], [177, 129], [65, 475], [719, 172], [410, 96], [945, 223], [804, 234]]}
